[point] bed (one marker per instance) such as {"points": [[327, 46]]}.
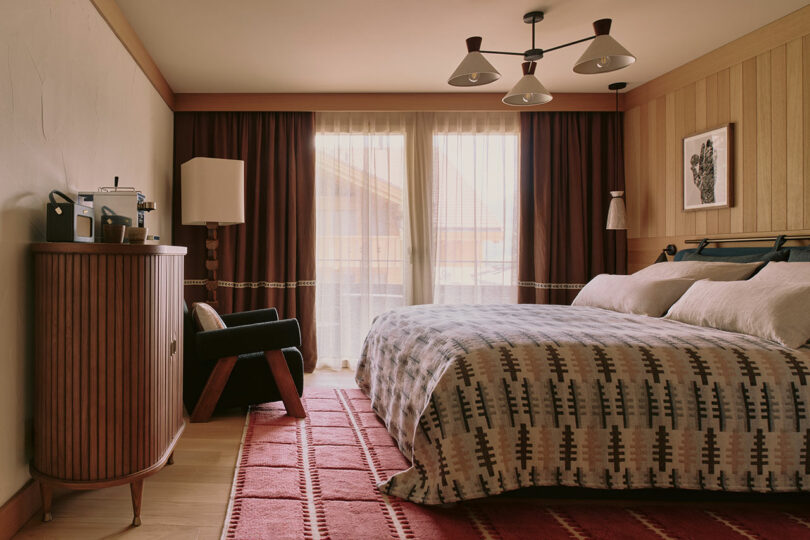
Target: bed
{"points": [[488, 399]]}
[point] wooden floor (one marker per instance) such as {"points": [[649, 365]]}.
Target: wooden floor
{"points": [[185, 500]]}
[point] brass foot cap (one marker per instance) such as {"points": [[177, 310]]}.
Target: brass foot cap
{"points": [[47, 517], [136, 521]]}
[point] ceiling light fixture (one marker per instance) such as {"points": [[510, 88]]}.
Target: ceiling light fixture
{"points": [[603, 55]]}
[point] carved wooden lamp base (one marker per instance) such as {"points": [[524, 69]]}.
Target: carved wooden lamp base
{"points": [[211, 263]]}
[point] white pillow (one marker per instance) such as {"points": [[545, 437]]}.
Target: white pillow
{"points": [[716, 271], [784, 272], [206, 317], [775, 311], [631, 294]]}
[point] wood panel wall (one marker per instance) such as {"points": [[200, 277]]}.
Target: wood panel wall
{"points": [[767, 98]]}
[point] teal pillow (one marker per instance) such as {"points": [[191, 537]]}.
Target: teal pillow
{"points": [[776, 256], [799, 255]]}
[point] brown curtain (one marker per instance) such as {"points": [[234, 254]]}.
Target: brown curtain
{"points": [[568, 166], [269, 261]]}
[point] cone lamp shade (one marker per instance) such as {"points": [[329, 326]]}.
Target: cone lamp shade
{"points": [[617, 214], [474, 70], [528, 90], [604, 54], [212, 191]]}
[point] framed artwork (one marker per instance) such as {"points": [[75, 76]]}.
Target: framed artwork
{"points": [[707, 163]]}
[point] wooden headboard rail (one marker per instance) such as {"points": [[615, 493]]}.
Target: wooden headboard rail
{"points": [[786, 238]]}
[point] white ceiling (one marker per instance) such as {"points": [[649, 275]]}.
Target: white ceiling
{"points": [[414, 45]]}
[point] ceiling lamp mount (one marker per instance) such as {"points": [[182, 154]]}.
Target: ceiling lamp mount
{"points": [[603, 55]]}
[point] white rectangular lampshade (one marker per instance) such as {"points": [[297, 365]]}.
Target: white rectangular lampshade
{"points": [[212, 190]]}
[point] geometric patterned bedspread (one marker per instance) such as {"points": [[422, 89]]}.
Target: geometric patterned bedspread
{"points": [[487, 399]]}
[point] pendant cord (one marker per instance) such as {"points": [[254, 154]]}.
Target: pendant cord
{"points": [[616, 143]]}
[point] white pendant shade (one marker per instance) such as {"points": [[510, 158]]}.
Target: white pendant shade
{"points": [[617, 214], [602, 55], [474, 70], [528, 90]]}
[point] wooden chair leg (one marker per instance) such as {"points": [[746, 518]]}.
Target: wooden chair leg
{"points": [[136, 490], [47, 500], [213, 389], [285, 384]]}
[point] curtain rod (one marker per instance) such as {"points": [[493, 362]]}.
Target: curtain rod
{"points": [[746, 239]]}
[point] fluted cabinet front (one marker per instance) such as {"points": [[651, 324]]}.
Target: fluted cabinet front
{"points": [[108, 352]]}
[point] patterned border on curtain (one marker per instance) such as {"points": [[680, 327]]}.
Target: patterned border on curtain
{"points": [[568, 167], [269, 261]]}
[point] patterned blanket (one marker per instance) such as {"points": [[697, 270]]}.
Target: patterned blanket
{"points": [[487, 399]]}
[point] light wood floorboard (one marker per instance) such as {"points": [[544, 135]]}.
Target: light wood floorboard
{"points": [[187, 500]]}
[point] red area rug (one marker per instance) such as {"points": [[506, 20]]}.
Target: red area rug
{"points": [[316, 478]]}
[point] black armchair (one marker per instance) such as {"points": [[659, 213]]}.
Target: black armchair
{"points": [[254, 360]]}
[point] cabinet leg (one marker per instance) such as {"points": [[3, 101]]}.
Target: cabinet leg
{"points": [[171, 459], [47, 499], [136, 489]]}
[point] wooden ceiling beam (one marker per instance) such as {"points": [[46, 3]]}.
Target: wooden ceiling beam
{"points": [[455, 101]]}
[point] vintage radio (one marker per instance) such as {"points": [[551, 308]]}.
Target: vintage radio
{"points": [[122, 205], [68, 221]]}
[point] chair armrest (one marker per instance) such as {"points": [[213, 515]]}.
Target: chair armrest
{"points": [[249, 338], [250, 317]]}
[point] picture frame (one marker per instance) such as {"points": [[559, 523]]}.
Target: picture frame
{"points": [[707, 169]]}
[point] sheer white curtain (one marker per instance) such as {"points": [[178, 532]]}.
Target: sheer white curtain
{"points": [[411, 208], [475, 207], [362, 228]]}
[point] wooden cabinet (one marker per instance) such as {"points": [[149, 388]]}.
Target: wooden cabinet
{"points": [[108, 373]]}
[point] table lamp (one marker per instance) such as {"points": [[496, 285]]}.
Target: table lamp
{"points": [[213, 194]]}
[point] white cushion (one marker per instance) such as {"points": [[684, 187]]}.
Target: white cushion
{"points": [[784, 272], [632, 294], [775, 311], [206, 317], [716, 271]]}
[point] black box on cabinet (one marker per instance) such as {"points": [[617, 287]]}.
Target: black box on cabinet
{"points": [[68, 221]]}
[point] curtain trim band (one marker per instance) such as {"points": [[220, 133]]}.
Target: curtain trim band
{"points": [[551, 286], [253, 284]]}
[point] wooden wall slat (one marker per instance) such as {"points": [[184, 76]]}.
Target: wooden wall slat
{"points": [[642, 183], [795, 135], [764, 142], [806, 130], [700, 125], [712, 113], [658, 174], [673, 156], [724, 117], [689, 128], [735, 95], [778, 139], [632, 130], [750, 145], [680, 131]]}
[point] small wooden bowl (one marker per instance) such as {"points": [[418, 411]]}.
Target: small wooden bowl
{"points": [[137, 235]]}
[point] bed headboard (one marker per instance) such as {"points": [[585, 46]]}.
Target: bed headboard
{"points": [[768, 244]]}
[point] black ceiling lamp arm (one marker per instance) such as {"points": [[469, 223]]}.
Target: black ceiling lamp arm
{"points": [[533, 17], [564, 45]]}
